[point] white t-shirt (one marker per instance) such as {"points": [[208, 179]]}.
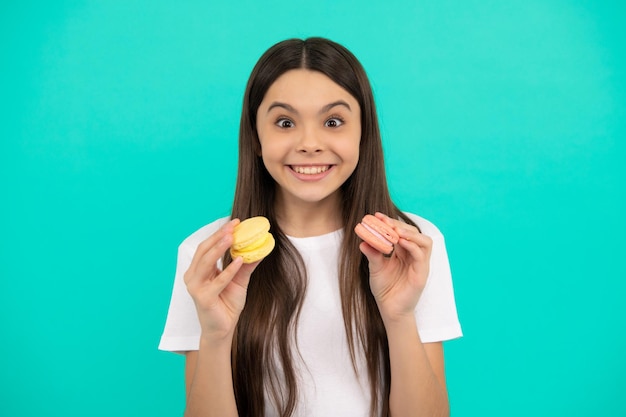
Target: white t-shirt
{"points": [[328, 384]]}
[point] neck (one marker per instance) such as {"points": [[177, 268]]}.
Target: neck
{"points": [[305, 219]]}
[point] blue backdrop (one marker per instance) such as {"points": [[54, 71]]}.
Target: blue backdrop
{"points": [[503, 123]]}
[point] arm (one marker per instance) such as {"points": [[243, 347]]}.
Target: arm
{"points": [[417, 369], [418, 385], [219, 297], [208, 380]]}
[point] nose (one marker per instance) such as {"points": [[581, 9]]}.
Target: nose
{"points": [[309, 142]]}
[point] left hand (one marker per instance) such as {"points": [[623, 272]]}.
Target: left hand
{"points": [[397, 282]]}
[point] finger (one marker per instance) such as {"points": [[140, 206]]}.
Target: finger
{"points": [[419, 247], [396, 224], [208, 243], [200, 259], [406, 231], [388, 220], [226, 276], [411, 240], [374, 257], [414, 235], [208, 262]]}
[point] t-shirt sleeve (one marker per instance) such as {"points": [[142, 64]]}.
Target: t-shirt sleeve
{"points": [[182, 328], [436, 313]]}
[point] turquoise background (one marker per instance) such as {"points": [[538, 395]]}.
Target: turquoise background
{"points": [[503, 123]]}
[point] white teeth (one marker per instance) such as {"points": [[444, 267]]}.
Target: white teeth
{"points": [[310, 170]]}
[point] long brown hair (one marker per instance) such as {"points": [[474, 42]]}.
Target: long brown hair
{"points": [[264, 336]]}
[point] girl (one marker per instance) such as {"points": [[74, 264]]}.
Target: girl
{"points": [[325, 325]]}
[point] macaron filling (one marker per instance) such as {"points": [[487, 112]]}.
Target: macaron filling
{"points": [[382, 238]]}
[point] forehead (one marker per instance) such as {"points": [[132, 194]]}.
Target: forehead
{"points": [[306, 86]]}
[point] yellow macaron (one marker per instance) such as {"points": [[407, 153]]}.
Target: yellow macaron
{"points": [[252, 240]]}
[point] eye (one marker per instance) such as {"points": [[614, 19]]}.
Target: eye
{"points": [[334, 122], [284, 123]]}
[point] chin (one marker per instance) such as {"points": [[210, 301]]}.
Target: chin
{"points": [[313, 198]]}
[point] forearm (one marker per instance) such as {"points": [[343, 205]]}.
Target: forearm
{"points": [[211, 391], [415, 388]]}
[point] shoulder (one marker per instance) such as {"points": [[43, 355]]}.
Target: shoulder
{"points": [[426, 226], [192, 241]]}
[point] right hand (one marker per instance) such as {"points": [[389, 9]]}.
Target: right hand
{"points": [[219, 295]]}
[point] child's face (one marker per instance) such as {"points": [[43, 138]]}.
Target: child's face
{"points": [[309, 129]]}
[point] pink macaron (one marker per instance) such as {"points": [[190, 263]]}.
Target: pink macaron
{"points": [[377, 234]]}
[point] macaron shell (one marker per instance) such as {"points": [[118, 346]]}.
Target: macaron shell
{"points": [[257, 252], [254, 244], [249, 231], [381, 227], [381, 245]]}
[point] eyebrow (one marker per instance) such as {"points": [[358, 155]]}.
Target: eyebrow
{"points": [[324, 109]]}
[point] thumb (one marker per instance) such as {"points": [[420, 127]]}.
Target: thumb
{"points": [[374, 257], [242, 277], [229, 273]]}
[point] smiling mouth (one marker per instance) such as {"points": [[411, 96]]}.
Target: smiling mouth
{"points": [[310, 170]]}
